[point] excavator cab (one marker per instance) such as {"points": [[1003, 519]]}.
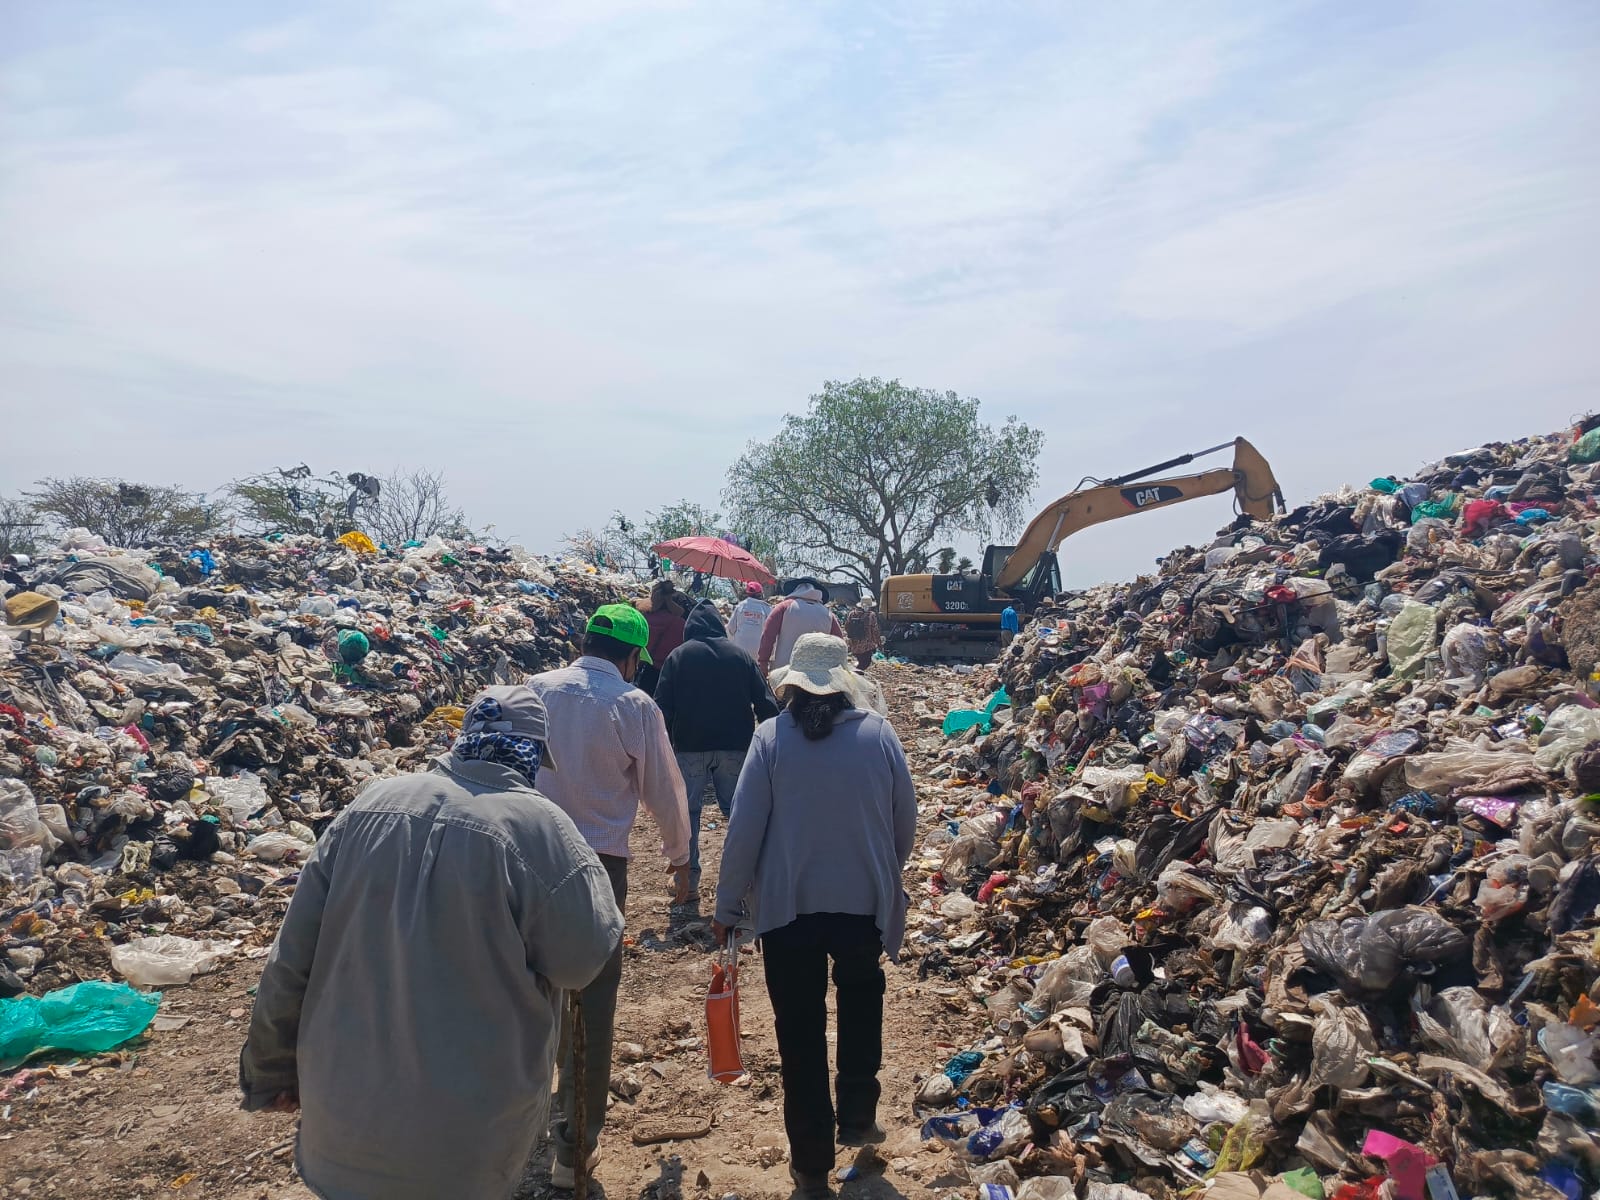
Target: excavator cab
{"points": [[972, 594], [1044, 580]]}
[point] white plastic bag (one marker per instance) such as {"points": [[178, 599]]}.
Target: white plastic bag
{"points": [[1572, 1052], [1569, 729], [277, 846], [24, 838], [1243, 927], [1107, 936], [1213, 1106], [1180, 888], [239, 796], [167, 960], [1341, 1042], [1048, 1187], [1505, 891], [1069, 982]]}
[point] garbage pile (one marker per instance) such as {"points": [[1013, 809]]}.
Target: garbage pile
{"points": [[176, 727], [1279, 873]]}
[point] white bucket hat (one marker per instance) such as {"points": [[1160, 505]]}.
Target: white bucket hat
{"points": [[820, 665]]}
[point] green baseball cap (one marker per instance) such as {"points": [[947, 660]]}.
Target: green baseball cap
{"points": [[626, 624]]}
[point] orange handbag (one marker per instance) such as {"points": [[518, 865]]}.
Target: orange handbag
{"points": [[722, 1018]]}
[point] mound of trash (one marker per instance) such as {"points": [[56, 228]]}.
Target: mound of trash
{"points": [[1277, 871], [175, 728]]}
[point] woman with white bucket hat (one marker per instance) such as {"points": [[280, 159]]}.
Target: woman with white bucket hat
{"points": [[824, 818]]}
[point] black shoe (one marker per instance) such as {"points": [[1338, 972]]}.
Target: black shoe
{"points": [[811, 1186], [872, 1135]]}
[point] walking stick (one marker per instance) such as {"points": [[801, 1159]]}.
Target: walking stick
{"points": [[579, 1117]]}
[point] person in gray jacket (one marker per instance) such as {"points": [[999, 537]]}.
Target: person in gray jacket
{"points": [[411, 1005], [824, 818]]}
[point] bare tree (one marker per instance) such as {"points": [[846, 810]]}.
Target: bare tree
{"points": [[124, 513], [412, 507], [20, 526], [598, 546]]}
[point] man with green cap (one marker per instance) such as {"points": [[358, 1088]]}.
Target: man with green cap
{"points": [[611, 741]]}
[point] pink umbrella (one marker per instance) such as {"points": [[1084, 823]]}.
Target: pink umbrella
{"points": [[716, 556]]}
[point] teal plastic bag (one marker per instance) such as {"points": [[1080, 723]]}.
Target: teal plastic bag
{"points": [[1587, 448], [86, 1018], [1442, 509], [958, 720], [1387, 486]]}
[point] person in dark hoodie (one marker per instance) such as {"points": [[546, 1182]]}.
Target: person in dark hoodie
{"points": [[712, 695]]}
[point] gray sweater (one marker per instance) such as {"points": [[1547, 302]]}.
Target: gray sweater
{"points": [[413, 997], [820, 827]]}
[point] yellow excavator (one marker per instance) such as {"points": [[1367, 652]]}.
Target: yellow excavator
{"points": [[930, 617]]}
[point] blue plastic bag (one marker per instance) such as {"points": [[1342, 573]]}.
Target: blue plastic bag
{"points": [[86, 1018]]}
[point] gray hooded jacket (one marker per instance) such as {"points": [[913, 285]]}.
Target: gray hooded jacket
{"points": [[820, 827], [414, 994]]}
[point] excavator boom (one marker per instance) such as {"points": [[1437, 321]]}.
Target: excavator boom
{"points": [[1250, 478]]}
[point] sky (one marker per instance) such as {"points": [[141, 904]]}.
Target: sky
{"points": [[577, 255]]}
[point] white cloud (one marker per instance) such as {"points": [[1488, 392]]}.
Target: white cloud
{"points": [[465, 237]]}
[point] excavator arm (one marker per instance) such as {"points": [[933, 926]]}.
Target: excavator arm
{"points": [[1251, 480]]}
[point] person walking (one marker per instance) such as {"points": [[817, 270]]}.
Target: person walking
{"points": [[801, 612], [665, 619], [410, 1006], [711, 695], [612, 744], [749, 617], [824, 819], [861, 632]]}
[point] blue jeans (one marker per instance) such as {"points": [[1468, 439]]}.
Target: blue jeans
{"points": [[702, 769]]}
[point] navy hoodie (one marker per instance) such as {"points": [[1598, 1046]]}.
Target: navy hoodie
{"points": [[711, 692]]}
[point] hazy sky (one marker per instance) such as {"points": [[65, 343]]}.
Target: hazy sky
{"points": [[576, 255]]}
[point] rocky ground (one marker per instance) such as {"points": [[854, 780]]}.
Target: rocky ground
{"points": [[161, 1118]]}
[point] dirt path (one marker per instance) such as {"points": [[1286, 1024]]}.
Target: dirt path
{"points": [[162, 1119]]}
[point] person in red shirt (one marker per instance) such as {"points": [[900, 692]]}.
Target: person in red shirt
{"points": [[665, 616]]}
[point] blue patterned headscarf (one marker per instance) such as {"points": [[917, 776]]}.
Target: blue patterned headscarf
{"points": [[511, 750]]}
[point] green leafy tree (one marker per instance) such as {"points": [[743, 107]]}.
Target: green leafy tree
{"points": [[629, 541], [875, 475], [683, 519], [124, 513]]}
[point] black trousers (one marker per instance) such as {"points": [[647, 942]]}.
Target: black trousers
{"points": [[796, 958]]}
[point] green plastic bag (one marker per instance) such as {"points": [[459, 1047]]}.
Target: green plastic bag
{"points": [[1413, 635], [86, 1018], [1587, 448], [1387, 486], [1305, 1181], [959, 720]]}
